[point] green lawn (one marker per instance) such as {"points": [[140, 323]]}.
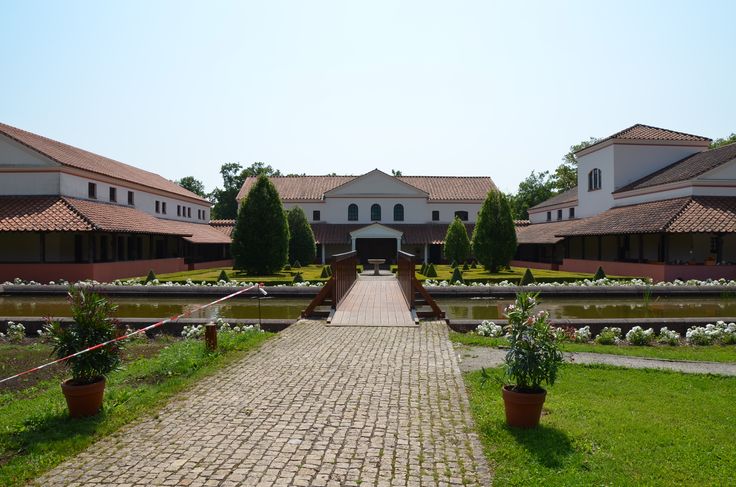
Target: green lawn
{"points": [[309, 273], [611, 426], [710, 353], [444, 273], [36, 433]]}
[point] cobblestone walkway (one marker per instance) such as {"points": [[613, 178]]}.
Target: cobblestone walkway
{"points": [[314, 406]]}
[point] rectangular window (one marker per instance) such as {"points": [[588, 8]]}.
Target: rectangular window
{"points": [[114, 195], [549, 216], [463, 215], [189, 212], [92, 190], [571, 213], [178, 210], [435, 215], [315, 215], [714, 245], [559, 214], [158, 206], [131, 200], [163, 207]]}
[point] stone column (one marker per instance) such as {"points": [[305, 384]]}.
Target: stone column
{"points": [[426, 253]]}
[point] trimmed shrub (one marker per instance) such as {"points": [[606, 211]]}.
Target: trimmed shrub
{"points": [[599, 274], [325, 272], [457, 276], [431, 271], [261, 235], [466, 267], [151, 276], [302, 247], [453, 264], [609, 336], [423, 270], [297, 278], [474, 265], [287, 267], [668, 337], [296, 265], [494, 236], [223, 276], [527, 278], [457, 243]]}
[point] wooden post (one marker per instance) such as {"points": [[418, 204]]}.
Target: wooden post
{"points": [[210, 336]]}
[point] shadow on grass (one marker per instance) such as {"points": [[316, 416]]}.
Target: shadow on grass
{"points": [[550, 446]]}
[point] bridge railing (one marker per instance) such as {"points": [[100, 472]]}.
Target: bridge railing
{"points": [[344, 274], [406, 277]]}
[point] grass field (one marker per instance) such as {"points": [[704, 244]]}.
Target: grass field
{"points": [[611, 426], [36, 433], [444, 273], [710, 353]]}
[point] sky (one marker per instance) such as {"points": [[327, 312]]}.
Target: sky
{"points": [[429, 88]]}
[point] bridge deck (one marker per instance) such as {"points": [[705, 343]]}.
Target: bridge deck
{"points": [[373, 301]]}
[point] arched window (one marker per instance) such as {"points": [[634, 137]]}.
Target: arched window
{"points": [[463, 215], [399, 212], [375, 212], [594, 179], [353, 212]]}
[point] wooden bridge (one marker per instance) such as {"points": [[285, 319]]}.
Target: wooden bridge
{"points": [[351, 300]]}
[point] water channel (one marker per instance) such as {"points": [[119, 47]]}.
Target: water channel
{"points": [[456, 308]]}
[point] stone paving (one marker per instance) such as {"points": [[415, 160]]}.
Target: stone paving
{"points": [[315, 406]]}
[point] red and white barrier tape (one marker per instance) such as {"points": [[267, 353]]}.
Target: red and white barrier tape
{"points": [[137, 332]]}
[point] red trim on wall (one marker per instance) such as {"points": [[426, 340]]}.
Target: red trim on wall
{"points": [[658, 272]]}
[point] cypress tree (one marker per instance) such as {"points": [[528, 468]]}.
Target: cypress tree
{"points": [[261, 234], [457, 244], [494, 236], [301, 238]]}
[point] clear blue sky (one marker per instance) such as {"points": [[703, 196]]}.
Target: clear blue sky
{"points": [[443, 88]]}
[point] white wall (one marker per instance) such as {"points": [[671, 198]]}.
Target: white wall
{"points": [[594, 202], [725, 171], [13, 154], [76, 187], [633, 162], [416, 210], [375, 183], [29, 183], [541, 216]]}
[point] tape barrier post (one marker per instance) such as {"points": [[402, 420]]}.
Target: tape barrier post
{"points": [[139, 331]]}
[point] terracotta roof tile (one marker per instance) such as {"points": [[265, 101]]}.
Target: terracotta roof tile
{"points": [[685, 169], [543, 233], [649, 133], [567, 197], [68, 155], [119, 218], [198, 233], [40, 214], [439, 188], [430, 233], [224, 226], [709, 214]]}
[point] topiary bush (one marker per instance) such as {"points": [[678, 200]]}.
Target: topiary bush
{"points": [[457, 276], [527, 278], [325, 272], [302, 247], [466, 267], [151, 276], [223, 276], [599, 274], [494, 235], [453, 264], [297, 278], [457, 243], [474, 265], [296, 265], [423, 270], [287, 267], [431, 271]]}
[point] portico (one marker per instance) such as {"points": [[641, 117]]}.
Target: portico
{"points": [[376, 241]]}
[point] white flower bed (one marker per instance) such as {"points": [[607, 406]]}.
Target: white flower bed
{"points": [[489, 329], [668, 337], [720, 332], [583, 334], [16, 332], [639, 336], [590, 283], [197, 331], [609, 336]]}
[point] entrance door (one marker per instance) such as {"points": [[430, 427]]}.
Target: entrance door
{"points": [[376, 248]]}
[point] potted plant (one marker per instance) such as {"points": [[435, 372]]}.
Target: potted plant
{"points": [[533, 359], [92, 325]]}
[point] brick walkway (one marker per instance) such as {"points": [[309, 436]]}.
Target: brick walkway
{"points": [[314, 406], [373, 301]]}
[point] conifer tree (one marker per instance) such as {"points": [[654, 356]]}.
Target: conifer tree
{"points": [[494, 236], [457, 244], [261, 234], [301, 238]]}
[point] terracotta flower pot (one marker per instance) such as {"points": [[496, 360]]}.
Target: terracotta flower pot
{"points": [[523, 409], [83, 400]]}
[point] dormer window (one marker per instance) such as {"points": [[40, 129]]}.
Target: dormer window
{"points": [[375, 212], [594, 179]]}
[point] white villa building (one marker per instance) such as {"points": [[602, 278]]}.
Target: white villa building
{"points": [[66, 213], [377, 214], [649, 202]]}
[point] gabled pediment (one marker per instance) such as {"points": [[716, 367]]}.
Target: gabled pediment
{"points": [[15, 154], [726, 171], [376, 183], [376, 230]]}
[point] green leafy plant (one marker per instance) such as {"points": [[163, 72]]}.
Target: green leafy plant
{"points": [[92, 325], [609, 336], [534, 356]]}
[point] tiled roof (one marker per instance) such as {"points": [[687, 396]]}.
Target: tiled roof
{"points": [[224, 226], [679, 215], [684, 169], [522, 223], [649, 133], [439, 188], [198, 233], [430, 233], [61, 214], [567, 197], [68, 155], [40, 214], [543, 233]]}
